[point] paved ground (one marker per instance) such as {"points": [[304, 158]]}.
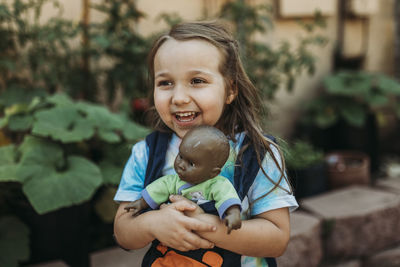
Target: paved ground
{"points": [[113, 257]]}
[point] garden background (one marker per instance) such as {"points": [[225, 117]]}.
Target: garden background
{"points": [[73, 93]]}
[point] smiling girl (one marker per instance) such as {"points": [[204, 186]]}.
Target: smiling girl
{"points": [[198, 79]]}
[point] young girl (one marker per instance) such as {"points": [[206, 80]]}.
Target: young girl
{"points": [[198, 79]]}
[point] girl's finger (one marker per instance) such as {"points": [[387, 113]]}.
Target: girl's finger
{"points": [[177, 198], [197, 225], [182, 205], [197, 242]]}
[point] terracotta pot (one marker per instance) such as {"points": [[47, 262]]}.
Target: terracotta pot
{"points": [[347, 168]]}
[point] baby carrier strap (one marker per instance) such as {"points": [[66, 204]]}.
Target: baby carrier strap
{"points": [[158, 145], [245, 173], [246, 170]]}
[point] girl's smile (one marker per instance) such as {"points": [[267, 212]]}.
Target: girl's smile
{"points": [[189, 89]]}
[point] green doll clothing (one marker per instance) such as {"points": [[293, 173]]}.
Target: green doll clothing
{"points": [[218, 189]]}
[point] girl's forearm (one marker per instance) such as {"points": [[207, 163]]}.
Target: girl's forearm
{"points": [[132, 232], [257, 237]]}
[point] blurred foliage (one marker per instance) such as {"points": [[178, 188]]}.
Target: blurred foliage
{"points": [[300, 155], [66, 147], [269, 67], [14, 241], [351, 96]]}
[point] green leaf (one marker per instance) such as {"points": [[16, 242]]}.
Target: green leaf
{"points": [[348, 83], [325, 119], [102, 41], [62, 123], [20, 122], [60, 100], [109, 136], [52, 182], [14, 241], [133, 131], [354, 114], [388, 85], [100, 117], [8, 166], [111, 172], [376, 100]]}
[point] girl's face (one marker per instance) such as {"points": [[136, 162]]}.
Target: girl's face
{"points": [[189, 90]]}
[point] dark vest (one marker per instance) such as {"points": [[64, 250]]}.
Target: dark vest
{"points": [[244, 175]]}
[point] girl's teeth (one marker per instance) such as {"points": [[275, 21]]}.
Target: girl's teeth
{"points": [[185, 116]]}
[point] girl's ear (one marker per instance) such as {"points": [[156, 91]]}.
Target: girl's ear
{"points": [[232, 93]]}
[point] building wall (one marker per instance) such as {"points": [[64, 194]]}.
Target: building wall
{"points": [[287, 107]]}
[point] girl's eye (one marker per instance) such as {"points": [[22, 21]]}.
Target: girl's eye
{"points": [[197, 81], [191, 164], [164, 83]]}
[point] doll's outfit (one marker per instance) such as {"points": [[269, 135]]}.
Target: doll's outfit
{"points": [[218, 189], [154, 157]]}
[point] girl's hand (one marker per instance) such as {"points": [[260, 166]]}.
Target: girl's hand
{"points": [[174, 229], [180, 200]]}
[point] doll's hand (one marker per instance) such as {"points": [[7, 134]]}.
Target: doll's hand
{"points": [[232, 219], [176, 230], [136, 206]]}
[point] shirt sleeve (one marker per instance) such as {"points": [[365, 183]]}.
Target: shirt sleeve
{"points": [[261, 197], [224, 195], [132, 179], [158, 191]]}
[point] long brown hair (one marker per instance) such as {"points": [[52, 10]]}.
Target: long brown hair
{"points": [[243, 114]]}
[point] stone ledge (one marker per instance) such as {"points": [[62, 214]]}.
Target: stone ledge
{"points": [[387, 258], [117, 257], [389, 185], [357, 221], [305, 248], [352, 263]]}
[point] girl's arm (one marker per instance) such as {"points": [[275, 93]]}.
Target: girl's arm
{"points": [[266, 235], [169, 225]]}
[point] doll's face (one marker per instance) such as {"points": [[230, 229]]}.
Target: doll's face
{"points": [[195, 162]]}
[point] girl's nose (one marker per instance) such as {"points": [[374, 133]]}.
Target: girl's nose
{"points": [[180, 96]]}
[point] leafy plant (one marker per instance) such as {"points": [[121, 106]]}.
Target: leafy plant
{"points": [[267, 66], [301, 155], [60, 150], [351, 96]]}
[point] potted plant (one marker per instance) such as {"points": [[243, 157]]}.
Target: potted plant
{"points": [[344, 116], [62, 154], [306, 168], [347, 168]]}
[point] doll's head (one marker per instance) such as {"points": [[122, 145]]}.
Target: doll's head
{"points": [[202, 153]]}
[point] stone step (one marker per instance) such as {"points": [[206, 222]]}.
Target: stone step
{"points": [[351, 263], [117, 257], [386, 258], [357, 221], [111, 257], [305, 247], [389, 184]]}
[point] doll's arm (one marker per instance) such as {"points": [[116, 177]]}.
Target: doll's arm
{"points": [[232, 218], [136, 206]]}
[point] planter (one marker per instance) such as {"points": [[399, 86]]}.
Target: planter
{"points": [[60, 235], [348, 168], [309, 181]]}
